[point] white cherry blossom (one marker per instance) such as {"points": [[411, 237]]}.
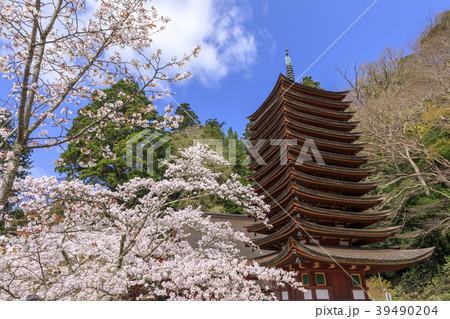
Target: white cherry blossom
{"points": [[83, 242], [60, 52]]}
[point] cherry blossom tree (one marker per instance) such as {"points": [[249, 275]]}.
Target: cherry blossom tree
{"points": [[84, 242], [57, 52]]}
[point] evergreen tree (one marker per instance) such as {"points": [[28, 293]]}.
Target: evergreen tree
{"points": [[189, 117], [214, 129], [234, 149], [111, 171], [307, 81], [236, 145]]}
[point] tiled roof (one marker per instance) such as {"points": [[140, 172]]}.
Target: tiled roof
{"points": [[397, 259], [313, 93]]}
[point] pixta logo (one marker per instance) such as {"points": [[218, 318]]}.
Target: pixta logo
{"points": [[140, 150], [307, 152]]}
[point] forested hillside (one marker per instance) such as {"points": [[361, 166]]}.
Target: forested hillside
{"points": [[402, 102]]}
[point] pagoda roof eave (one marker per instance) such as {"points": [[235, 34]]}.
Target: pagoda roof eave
{"points": [[296, 207], [282, 190], [378, 259], [347, 185], [349, 231], [286, 92], [325, 114], [349, 147], [370, 200], [290, 182], [343, 125], [343, 116], [286, 133], [328, 131], [273, 164], [296, 150], [341, 94], [324, 103], [372, 235], [286, 118], [282, 78]]}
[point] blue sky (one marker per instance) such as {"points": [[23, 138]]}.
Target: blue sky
{"points": [[308, 28], [243, 48]]}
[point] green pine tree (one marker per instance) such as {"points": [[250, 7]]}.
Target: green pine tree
{"points": [[189, 117], [106, 171], [307, 81]]}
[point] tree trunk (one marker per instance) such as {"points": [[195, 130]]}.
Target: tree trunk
{"points": [[418, 172], [10, 174]]}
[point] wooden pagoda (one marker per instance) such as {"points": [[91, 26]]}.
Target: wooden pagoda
{"points": [[320, 211]]}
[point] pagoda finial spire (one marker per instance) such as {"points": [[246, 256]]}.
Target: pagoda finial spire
{"points": [[289, 68]]}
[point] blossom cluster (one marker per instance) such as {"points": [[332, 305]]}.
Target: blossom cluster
{"points": [[59, 53], [84, 242]]}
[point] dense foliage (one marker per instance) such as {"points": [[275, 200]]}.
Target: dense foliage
{"points": [[230, 145], [403, 105], [103, 160], [308, 81]]}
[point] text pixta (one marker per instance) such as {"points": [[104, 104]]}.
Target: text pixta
{"points": [[337, 311]]}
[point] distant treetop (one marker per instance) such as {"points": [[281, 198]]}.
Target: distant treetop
{"points": [[307, 81]]}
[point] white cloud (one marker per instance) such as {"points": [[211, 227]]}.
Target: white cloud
{"points": [[218, 26]]}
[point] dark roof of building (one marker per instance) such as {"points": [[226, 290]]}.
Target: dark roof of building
{"points": [[355, 188], [368, 234], [311, 130], [325, 113], [282, 188], [273, 154], [323, 102], [338, 125], [271, 167], [338, 95], [366, 217], [335, 97], [395, 259]]}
